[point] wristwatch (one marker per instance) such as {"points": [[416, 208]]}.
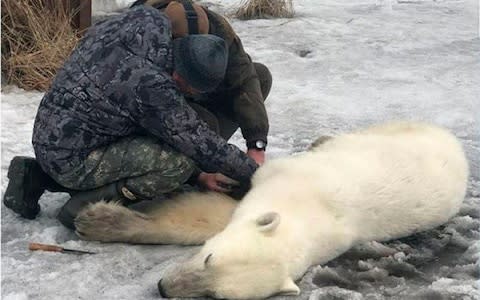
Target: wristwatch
{"points": [[258, 144]]}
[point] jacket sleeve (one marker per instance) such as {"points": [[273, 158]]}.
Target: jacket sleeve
{"points": [[241, 83], [161, 110], [247, 103]]}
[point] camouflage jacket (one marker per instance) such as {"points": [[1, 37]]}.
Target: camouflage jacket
{"points": [[117, 82], [241, 88]]}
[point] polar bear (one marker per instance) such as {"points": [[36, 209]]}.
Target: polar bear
{"points": [[382, 183]]}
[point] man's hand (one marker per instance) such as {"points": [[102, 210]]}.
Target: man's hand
{"points": [[257, 155], [216, 182]]}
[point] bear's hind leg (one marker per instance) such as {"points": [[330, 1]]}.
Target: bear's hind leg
{"points": [[188, 219], [110, 222], [192, 218]]}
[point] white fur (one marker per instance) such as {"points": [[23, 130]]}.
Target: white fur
{"points": [[188, 219], [381, 183]]}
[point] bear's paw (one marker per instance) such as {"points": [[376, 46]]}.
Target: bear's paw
{"points": [[106, 222]]}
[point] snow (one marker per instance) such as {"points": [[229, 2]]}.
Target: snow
{"points": [[100, 7], [338, 65]]}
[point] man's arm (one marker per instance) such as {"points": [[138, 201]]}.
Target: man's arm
{"points": [[242, 82], [161, 110], [248, 103]]}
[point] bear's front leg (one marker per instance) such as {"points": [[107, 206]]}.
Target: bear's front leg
{"points": [[318, 142]]}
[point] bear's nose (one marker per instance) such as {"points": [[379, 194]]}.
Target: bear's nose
{"points": [[161, 290]]}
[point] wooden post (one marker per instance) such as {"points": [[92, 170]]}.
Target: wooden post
{"points": [[83, 13]]}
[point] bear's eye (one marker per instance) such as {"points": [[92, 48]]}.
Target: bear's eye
{"points": [[207, 259]]}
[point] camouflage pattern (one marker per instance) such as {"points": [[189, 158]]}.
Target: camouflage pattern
{"points": [[117, 83], [148, 167], [239, 96]]}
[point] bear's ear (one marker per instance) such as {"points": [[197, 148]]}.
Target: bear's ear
{"points": [[289, 288], [268, 221]]}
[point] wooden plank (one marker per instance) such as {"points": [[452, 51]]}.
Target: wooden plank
{"points": [[83, 13]]}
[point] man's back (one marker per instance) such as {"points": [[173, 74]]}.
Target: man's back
{"points": [[89, 103]]}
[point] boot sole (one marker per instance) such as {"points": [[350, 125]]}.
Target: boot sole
{"points": [[16, 199]]}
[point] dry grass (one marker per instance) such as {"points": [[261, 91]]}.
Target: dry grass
{"points": [[256, 9], [36, 40]]}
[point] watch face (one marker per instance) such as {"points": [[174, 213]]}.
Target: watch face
{"points": [[260, 144]]}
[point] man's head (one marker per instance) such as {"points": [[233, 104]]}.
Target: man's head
{"points": [[200, 61]]}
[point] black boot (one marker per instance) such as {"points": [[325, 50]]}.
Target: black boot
{"points": [[27, 182], [111, 192]]}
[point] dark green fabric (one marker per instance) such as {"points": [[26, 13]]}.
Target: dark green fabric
{"points": [[221, 117]]}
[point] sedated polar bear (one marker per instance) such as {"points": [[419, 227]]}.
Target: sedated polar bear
{"points": [[382, 183], [378, 184]]}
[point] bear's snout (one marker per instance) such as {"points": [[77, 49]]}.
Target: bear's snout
{"points": [[161, 290]]}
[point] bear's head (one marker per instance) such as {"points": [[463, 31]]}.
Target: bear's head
{"points": [[241, 262]]}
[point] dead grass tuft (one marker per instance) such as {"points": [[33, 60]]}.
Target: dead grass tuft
{"points": [[257, 9], [36, 39]]}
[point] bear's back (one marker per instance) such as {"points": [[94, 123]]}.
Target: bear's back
{"points": [[388, 180]]}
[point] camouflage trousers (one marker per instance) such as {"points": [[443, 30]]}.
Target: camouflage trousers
{"points": [[148, 168]]}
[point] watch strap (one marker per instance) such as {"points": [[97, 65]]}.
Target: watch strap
{"points": [[257, 144]]}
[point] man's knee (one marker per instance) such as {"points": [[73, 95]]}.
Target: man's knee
{"points": [[265, 78], [175, 172]]}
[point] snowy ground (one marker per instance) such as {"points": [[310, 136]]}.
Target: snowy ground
{"points": [[338, 65]]}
